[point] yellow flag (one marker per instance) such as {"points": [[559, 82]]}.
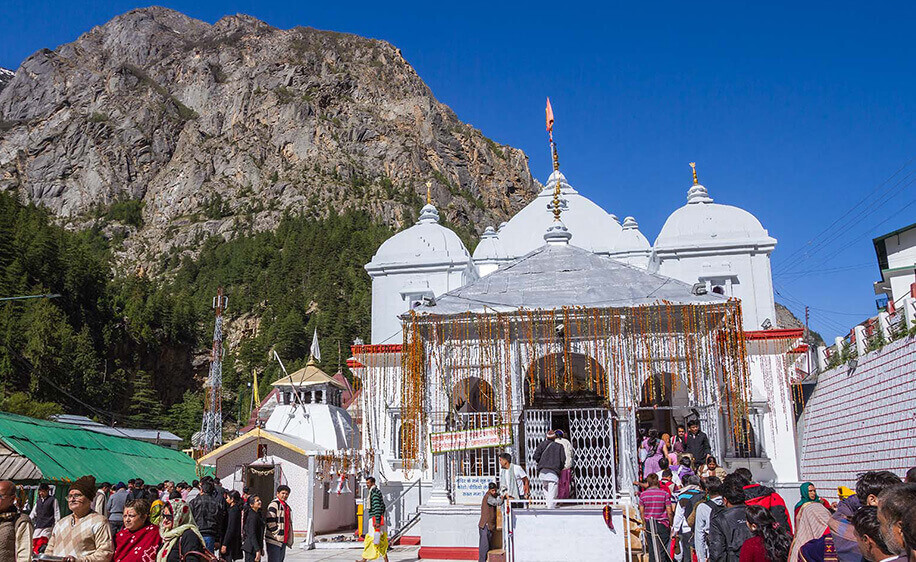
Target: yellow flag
{"points": [[257, 398]]}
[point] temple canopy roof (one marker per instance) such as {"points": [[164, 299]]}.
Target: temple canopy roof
{"points": [[310, 375], [554, 276]]}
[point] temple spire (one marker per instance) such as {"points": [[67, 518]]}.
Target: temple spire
{"points": [[556, 162], [429, 197], [557, 233], [697, 193]]}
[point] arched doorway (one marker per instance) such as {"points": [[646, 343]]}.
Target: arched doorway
{"points": [[472, 405], [569, 392], [745, 441], [565, 380], [655, 404], [471, 395]]}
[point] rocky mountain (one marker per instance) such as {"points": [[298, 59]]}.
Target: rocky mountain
{"points": [[172, 130], [786, 319], [6, 76]]}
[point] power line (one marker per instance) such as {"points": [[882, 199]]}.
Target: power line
{"points": [[816, 243]]}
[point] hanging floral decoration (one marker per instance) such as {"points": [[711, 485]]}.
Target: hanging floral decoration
{"points": [[608, 354]]}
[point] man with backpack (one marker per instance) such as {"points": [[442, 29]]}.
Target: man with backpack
{"points": [[688, 498], [699, 520], [728, 528]]}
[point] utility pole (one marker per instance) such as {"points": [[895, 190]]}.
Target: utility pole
{"points": [[211, 431]]}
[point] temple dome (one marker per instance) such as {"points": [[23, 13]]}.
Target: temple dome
{"points": [[702, 223], [424, 243], [490, 247], [631, 239], [592, 227]]}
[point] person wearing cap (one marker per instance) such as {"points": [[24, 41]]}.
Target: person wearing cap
{"points": [[84, 535], [550, 458], [487, 524]]}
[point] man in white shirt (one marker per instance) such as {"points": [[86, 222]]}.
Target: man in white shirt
{"points": [[513, 479], [703, 514], [565, 483]]}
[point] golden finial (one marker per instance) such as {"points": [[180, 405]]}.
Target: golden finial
{"points": [[556, 158], [556, 198], [429, 197], [693, 166]]}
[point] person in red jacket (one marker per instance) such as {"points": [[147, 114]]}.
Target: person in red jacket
{"points": [[764, 496]]}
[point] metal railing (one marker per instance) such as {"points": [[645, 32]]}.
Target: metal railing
{"points": [[400, 516]]}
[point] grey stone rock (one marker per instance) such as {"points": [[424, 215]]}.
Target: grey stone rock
{"points": [[158, 106]]}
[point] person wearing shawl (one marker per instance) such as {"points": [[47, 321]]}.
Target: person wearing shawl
{"points": [[139, 540], [811, 520], [180, 535], [809, 495]]}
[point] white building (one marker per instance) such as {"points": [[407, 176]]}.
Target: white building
{"points": [[478, 327], [896, 252], [307, 438]]}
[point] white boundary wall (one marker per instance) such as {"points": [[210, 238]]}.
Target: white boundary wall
{"points": [[861, 419]]}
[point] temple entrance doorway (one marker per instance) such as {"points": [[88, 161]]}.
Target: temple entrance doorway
{"points": [[567, 391], [592, 434]]}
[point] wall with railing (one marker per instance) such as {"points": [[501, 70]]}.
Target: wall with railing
{"points": [[896, 322], [861, 416]]}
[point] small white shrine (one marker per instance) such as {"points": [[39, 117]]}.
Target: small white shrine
{"points": [[307, 438]]}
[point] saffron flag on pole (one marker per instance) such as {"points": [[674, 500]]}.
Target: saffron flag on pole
{"points": [[549, 118]]}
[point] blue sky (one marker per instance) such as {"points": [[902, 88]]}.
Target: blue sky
{"points": [[794, 112]]}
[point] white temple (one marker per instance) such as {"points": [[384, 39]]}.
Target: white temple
{"points": [[563, 261]]}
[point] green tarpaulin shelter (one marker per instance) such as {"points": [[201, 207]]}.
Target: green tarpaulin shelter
{"points": [[33, 449]]}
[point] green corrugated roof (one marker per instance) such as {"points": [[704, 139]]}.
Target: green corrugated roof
{"points": [[65, 452]]}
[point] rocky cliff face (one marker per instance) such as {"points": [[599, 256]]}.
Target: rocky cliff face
{"points": [[220, 128], [6, 76]]}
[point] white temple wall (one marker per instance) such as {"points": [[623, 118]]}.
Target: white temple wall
{"points": [[861, 418], [394, 291], [743, 273], [291, 468], [774, 425]]}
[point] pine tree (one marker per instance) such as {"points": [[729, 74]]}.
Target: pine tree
{"points": [[145, 410]]}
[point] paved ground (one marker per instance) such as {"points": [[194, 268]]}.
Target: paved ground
{"points": [[396, 554]]}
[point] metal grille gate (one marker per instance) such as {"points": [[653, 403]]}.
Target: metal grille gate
{"points": [[591, 433]]}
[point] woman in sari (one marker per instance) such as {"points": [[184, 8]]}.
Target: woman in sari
{"points": [[811, 521], [180, 535], [808, 495], [139, 540]]}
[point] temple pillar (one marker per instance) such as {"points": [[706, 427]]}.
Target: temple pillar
{"points": [[439, 495]]}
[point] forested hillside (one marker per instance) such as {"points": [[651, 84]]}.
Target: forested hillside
{"points": [[127, 349]]}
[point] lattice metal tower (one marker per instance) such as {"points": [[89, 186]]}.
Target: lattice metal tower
{"points": [[211, 431]]}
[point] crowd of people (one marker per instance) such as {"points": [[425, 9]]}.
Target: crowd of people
{"points": [[696, 512], [135, 522]]}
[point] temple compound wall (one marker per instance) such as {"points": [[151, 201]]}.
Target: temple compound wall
{"points": [[861, 416]]}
